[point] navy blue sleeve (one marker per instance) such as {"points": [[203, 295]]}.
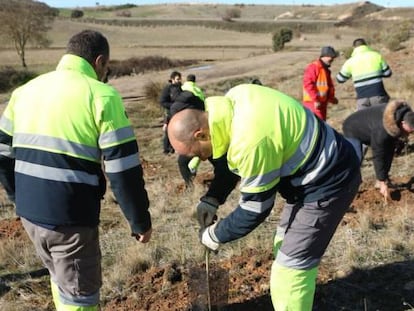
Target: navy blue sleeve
{"points": [[128, 186], [7, 165], [129, 189], [251, 211]]}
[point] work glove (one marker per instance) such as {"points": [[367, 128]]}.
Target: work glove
{"points": [[208, 238], [206, 211]]}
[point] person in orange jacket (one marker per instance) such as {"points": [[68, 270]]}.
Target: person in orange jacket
{"points": [[318, 87]]}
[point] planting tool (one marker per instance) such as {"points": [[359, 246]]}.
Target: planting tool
{"points": [[207, 254]]}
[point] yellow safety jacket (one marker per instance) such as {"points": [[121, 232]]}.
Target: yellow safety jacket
{"points": [[62, 125], [193, 88], [275, 145], [367, 68], [263, 144]]}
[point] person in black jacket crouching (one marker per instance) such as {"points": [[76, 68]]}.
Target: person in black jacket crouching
{"points": [[381, 127]]}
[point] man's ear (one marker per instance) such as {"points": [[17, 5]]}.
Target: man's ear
{"points": [[100, 61], [201, 134]]}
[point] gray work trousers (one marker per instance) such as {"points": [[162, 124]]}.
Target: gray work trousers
{"points": [[73, 257], [307, 228], [364, 103]]}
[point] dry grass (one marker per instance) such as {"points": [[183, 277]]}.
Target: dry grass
{"points": [[175, 238]]}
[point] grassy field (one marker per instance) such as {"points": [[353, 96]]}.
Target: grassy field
{"points": [[372, 235]]}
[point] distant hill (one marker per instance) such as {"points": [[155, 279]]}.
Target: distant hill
{"points": [[343, 12]]}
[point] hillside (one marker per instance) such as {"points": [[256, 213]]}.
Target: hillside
{"points": [[369, 264], [249, 12]]}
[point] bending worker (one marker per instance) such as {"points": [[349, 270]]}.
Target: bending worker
{"points": [[224, 181], [381, 127], [194, 96], [55, 130], [275, 145]]}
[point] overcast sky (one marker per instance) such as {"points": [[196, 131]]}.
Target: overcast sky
{"points": [[86, 3]]}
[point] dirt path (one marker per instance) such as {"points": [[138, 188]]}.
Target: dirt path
{"points": [[261, 65]]}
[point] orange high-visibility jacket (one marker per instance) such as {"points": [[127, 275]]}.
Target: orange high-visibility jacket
{"points": [[317, 87]]}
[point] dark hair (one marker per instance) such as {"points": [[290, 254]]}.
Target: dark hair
{"points": [[256, 81], [88, 44], [409, 119], [359, 42], [175, 74], [191, 77], [186, 100]]}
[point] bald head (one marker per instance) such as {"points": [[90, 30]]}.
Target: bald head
{"points": [[187, 129]]}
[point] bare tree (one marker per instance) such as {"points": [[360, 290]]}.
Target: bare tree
{"points": [[25, 21]]}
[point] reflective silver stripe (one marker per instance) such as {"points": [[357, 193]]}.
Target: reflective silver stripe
{"points": [[341, 77], [296, 263], [387, 72], [6, 124], [6, 151], [56, 144], [260, 180], [306, 146], [81, 301], [328, 150], [114, 137], [122, 164], [301, 152], [257, 207], [368, 75], [57, 174], [368, 82]]}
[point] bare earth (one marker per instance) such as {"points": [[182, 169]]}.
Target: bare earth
{"points": [[242, 283]]}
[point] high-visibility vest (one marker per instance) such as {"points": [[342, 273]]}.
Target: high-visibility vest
{"points": [[263, 144], [322, 85], [193, 88], [63, 125]]}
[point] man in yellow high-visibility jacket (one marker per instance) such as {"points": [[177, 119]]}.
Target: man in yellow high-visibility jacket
{"points": [[367, 69], [55, 132], [275, 145]]}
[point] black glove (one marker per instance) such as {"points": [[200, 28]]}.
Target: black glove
{"points": [[206, 211]]}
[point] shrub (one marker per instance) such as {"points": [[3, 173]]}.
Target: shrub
{"points": [[137, 65], [279, 38], [76, 14], [233, 13], [11, 78], [124, 13], [152, 91]]}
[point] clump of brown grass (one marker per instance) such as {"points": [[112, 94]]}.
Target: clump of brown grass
{"points": [[137, 65], [152, 91], [11, 78]]}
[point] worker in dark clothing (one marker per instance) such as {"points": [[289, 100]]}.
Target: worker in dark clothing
{"points": [[381, 127], [168, 95]]}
